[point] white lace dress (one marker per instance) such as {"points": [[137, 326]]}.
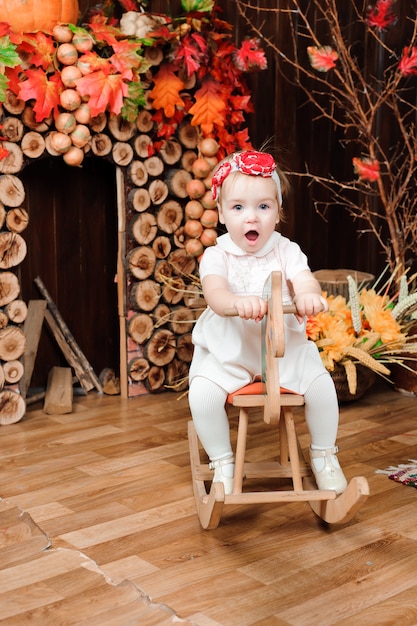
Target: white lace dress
{"points": [[227, 350]]}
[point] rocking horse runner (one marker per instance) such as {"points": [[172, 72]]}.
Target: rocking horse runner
{"points": [[227, 355]]}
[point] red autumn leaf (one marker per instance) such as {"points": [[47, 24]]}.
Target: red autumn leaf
{"points": [[165, 126], [322, 58], [236, 117], [45, 92], [162, 33], [366, 169], [242, 103], [250, 56], [40, 48], [191, 52], [129, 5], [3, 153], [166, 90], [242, 137], [381, 14], [4, 29], [102, 31], [225, 48], [14, 76], [209, 106], [103, 91], [408, 62]]}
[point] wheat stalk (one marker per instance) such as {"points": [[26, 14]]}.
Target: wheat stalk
{"points": [[366, 359], [367, 343], [354, 304], [351, 376], [404, 305]]}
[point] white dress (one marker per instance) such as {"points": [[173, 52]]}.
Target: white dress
{"points": [[227, 350]]}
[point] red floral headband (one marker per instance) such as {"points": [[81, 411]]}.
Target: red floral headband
{"points": [[252, 163]]}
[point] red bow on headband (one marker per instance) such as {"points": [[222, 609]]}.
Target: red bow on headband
{"points": [[251, 162]]}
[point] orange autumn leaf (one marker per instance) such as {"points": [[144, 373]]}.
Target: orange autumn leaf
{"points": [[208, 107], [166, 90]]}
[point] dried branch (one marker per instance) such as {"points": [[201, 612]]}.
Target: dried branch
{"points": [[380, 189]]}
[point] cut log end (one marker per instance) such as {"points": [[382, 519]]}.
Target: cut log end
{"points": [[12, 407]]}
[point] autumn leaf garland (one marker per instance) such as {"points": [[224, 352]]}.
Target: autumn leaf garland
{"points": [[197, 47]]}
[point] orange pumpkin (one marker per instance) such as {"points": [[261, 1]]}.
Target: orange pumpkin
{"points": [[26, 16]]}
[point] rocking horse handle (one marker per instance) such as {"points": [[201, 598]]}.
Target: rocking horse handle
{"points": [[286, 308]]}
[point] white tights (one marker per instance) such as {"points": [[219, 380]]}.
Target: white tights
{"points": [[207, 404]]}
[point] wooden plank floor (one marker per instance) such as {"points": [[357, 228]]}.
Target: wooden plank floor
{"points": [[98, 525]]}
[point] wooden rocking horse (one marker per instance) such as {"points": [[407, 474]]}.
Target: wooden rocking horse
{"points": [[277, 407]]}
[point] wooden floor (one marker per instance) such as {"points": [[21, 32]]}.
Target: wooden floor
{"points": [[98, 525]]}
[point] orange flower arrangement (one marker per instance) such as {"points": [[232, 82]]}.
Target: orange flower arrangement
{"points": [[371, 329]]}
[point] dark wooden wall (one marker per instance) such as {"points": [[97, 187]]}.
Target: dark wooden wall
{"points": [[72, 247]]}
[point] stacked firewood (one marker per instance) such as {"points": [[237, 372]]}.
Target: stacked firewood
{"points": [[13, 310], [170, 219], [173, 220]]}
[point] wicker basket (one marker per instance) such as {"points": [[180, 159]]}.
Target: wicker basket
{"points": [[365, 380], [334, 282]]}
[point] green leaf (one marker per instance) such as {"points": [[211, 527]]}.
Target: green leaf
{"points": [[201, 6], [4, 81], [8, 54], [134, 102]]}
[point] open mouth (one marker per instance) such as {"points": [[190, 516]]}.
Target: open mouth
{"points": [[252, 235]]}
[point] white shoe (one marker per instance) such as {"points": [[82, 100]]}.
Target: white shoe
{"points": [[224, 470], [327, 471]]}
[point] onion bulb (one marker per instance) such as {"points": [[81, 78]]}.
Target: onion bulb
{"points": [[80, 135], [193, 247], [62, 33], [60, 142], [193, 228], [195, 188], [193, 210], [74, 156], [210, 218], [208, 181], [208, 147], [208, 201], [83, 113], [65, 123], [212, 160], [201, 168], [69, 75], [83, 42], [208, 237], [70, 99], [67, 54]]}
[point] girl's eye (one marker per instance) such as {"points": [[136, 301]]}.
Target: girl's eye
{"points": [[237, 207], [264, 206]]}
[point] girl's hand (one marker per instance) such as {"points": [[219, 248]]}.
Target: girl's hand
{"points": [[251, 307], [309, 304]]}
